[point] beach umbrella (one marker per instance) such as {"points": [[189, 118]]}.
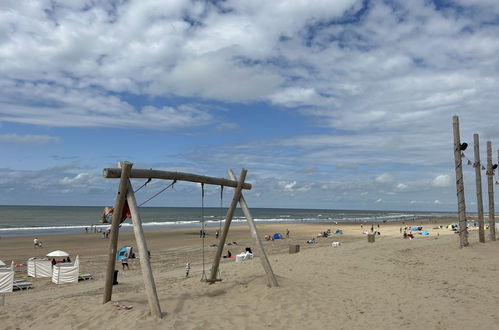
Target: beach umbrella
{"points": [[58, 253], [2, 264]]}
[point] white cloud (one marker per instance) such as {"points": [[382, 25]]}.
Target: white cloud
{"points": [[288, 186], [436, 201], [373, 91], [402, 187], [442, 180], [379, 200], [81, 179], [385, 178]]}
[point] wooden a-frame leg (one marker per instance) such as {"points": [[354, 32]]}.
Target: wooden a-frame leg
{"points": [[225, 230], [145, 264], [271, 278]]}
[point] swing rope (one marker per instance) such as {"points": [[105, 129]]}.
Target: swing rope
{"points": [[170, 185], [145, 183], [220, 222], [202, 232], [221, 209]]}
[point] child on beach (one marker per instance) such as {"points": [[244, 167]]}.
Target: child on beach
{"points": [[124, 261]]}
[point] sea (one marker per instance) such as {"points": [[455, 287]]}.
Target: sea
{"points": [[54, 220]]}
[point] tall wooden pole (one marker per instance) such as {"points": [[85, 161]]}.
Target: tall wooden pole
{"points": [[271, 279], [225, 230], [478, 178], [490, 185], [113, 243], [145, 264], [461, 206]]}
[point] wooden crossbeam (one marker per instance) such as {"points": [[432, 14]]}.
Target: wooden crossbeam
{"points": [[115, 173]]}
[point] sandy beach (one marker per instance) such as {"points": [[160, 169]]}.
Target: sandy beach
{"points": [[424, 283]]}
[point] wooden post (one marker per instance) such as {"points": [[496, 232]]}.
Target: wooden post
{"points": [[225, 230], [271, 279], [461, 206], [145, 264], [113, 243], [478, 178], [490, 185]]}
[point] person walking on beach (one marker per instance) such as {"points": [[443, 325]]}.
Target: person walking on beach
{"points": [[187, 269], [217, 233], [36, 242], [124, 261], [287, 233]]}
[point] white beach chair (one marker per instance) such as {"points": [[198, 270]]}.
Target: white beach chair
{"points": [[21, 285]]}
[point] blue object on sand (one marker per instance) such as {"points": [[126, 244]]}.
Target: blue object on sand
{"points": [[277, 236], [415, 228], [122, 251], [425, 232]]}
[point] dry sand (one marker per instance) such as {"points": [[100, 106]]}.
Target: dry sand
{"points": [[394, 283]]}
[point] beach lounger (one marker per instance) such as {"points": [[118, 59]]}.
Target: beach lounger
{"points": [[84, 277], [21, 285]]}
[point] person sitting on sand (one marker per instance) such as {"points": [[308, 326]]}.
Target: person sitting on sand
{"points": [[53, 261], [229, 254]]}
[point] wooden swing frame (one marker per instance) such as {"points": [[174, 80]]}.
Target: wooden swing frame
{"points": [[125, 192]]}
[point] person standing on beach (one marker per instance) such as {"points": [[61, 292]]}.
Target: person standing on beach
{"points": [[187, 269], [36, 242], [287, 233], [124, 261]]}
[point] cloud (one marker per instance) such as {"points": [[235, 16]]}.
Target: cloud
{"points": [[373, 85], [287, 186], [27, 139], [442, 180], [385, 178], [80, 180], [379, 200], [402, 187], [436, 201]]}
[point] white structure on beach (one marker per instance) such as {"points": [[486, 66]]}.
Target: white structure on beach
{"points": [[66, 272], [39, 267]]}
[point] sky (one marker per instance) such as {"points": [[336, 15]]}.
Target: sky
{"points": [[344, 104]]}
